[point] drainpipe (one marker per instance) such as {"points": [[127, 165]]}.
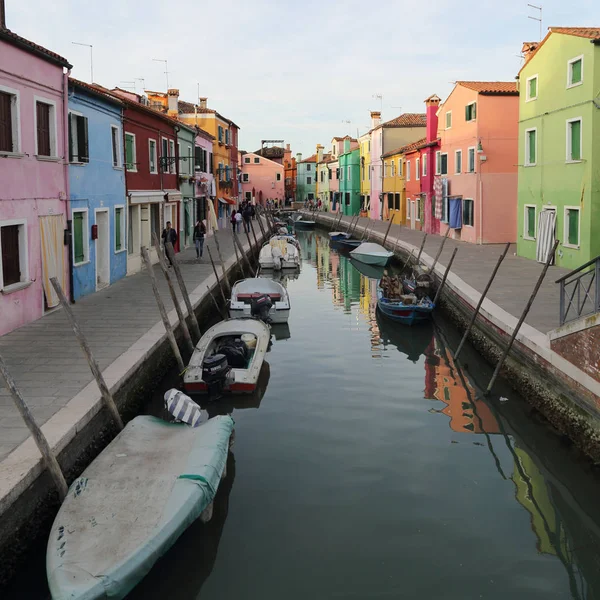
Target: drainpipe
{"points": [[69, 232]]}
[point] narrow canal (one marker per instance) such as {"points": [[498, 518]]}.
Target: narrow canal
{"points": [[372, 468]]}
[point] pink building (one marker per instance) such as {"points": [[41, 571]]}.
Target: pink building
{"points": [[203, 172], [34, 176], [262, 179], [478, 131]]}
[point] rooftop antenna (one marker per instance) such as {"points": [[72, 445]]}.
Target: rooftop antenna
{"points": [[143, 83], [349, 123], [380, 98], [166, 69], [91, 58], [539, 19], [128, 84]]}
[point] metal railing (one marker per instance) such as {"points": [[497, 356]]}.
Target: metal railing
{"points": [[580, 292]]}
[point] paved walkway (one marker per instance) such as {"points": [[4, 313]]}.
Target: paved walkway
{"points": [[474, 264], [46, 361]]}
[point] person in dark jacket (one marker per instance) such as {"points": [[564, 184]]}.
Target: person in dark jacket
{"points": [[247, 214], [169, 235], [233, 220], [199, 233]]}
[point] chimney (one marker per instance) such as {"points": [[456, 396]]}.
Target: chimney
{"points": [[528, 49], [346, 145], [203, 102], [2, 15], [173, 103], [298, 157], [319, 153], [432, 105], [287, 147], [375, 118]]}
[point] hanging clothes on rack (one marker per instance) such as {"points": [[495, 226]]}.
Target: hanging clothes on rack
{"points": [[455, 216]]}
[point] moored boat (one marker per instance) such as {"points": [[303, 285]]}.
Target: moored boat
{"points": [[228, 358], [279, 254], [132, 503], [304, 224], [244, 292], [336, 236], [372, 254], [407, 309]]}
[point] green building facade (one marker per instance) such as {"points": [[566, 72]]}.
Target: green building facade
{"points": [[185, 144], [350, 180], [306, 177], [559, 146]]}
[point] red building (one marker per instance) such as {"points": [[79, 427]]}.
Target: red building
{"points": [[412, 171], [151, 175], [430, 167]]}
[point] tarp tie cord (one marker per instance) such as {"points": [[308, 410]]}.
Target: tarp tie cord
{"points": [[194, 477]]}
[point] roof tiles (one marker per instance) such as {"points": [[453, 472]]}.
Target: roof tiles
{"points": [[407, 120], [492, 88], [17, 40], [592, 33]]}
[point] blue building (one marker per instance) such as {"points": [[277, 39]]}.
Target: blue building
{"points": [[97, 189]]}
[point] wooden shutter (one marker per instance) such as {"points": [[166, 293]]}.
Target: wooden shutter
{"points": [[211, 162], [198, 158], [115, 144], [531, 221], [82, 139], [204, 161], [11, 267], [129, 152], [573, 217], [576, 71], [474, 111], [6, 139], [43, 128], [70, 128], [575, 140], [78, 232], [118, 213]]}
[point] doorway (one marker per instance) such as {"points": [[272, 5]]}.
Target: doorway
{"points": [[545, 233], [413, 213], [102, 250]]}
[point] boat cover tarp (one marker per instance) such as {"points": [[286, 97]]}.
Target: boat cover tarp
{"points": [[132, 503]]}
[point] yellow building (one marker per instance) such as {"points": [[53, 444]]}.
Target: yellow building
{"points": [[394, 186], [364, 145]]}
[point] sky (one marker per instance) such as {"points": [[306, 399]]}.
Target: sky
{"points": [[295, 71]]}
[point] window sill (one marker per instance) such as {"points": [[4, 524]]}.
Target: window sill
{"points": [[117, 168], [530, 165], [153, 172], [81, 264], [573, 85], [121, 251], [77, 164], [47, 158], [16, 287], [530, 100], [573, 162], [571, 246], [529, 239], [131, 170], [4, 154]]}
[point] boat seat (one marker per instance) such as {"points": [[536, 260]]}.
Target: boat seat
{"points": [[258, 295]]}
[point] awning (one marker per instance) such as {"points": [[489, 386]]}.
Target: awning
{"points": [[227, 201], [173, 195], [146, 196]]}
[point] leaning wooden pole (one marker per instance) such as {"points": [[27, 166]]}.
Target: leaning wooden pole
{"points": [[241, 249], [183, 288], [439, 252], [262, 229], [525, 312], [387, 231], [36, 432], [212, 262], [87, 351], [421, 248], [247, 230], [224, 315], [481, 299], [216, 237], [184, 326], [162, 309], [254, 236], [238, 259], [439, 290]]}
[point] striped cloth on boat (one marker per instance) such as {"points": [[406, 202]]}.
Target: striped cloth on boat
{"points": [[183, 408], [545, 241]]}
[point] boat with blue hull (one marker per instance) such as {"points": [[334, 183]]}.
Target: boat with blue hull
{"points": [[407, 314]]}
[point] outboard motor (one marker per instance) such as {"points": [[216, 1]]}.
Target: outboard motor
{"points": [[215, 371], [260, 307], [277, 258]]}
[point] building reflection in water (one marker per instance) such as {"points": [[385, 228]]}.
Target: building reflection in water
{"points": [[468, 413]]}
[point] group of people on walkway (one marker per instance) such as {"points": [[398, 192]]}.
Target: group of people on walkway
{"points": [[244, 214]]}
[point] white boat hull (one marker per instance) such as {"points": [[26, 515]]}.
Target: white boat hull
{"points": [[279, 254], [372, 254], [245, 290], [280, 315]]}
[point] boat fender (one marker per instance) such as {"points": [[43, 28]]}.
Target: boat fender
{"points": [[184, 409]]}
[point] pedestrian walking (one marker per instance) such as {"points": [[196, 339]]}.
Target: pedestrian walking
{"points": [[253, 212], [238, 220], [169, 235], [233, 221], [247, 215], [199, 233]]}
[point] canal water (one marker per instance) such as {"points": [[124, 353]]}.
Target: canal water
{"points": [[370, 466]]}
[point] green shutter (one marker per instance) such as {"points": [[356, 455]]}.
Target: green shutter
{"points": [[531, 221], [531, 147], [575, 140], [78, 237], [576, 71], [573, 219], [533, 87], [118, 212], [474, 110], [128, 152]]}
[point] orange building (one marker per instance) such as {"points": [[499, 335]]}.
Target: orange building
{"points": [[290, 174]]}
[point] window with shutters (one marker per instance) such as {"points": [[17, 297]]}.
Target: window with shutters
{"points": [[120, 230], [418, 169], [278, 176], [471, 157], [444, 163], [115, 137], [80, 237], [78, 139], [571, 230], [227, 137], [9, 120], [397, 201], [211, 163], [471, 111], [399, 167], [390, 199], [457, 162], [13, 253], [438, 162], [257, 161], [347, 198], [245, 178], [246, 160], [45, 126], [198, 158], [322, 174], [309, 181], [329, 173], [575, 72], [220, 134], [530, 147], [172, 165], [408, 170], [468, 212], [424, 159], [130, 152], [531, 88], [164, 155], [449, 119], [574, 140], [529, 222], [349, 177]]}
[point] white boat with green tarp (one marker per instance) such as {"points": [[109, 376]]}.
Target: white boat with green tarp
{"points": [[131, 505]]}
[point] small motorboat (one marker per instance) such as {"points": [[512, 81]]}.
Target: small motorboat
{"points": [[279, 254], [372, 254], [228, 358], [132, 503], [347, 244], [407, 309], [304, 224], [246, 293], [336, 236], [290, 238]]}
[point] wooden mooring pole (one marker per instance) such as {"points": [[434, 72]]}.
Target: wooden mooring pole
{"points": [[439, 290], [221, 260], [387, 231], [439, 252], [238, 260], [241, 249], [162, 309], [183, 288], [36, 431], [421, 248], [162, 262], [262, 229], [109, 401], [481, 299], [212, 262], [254, 236], [224, 315], [525, 312]]}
